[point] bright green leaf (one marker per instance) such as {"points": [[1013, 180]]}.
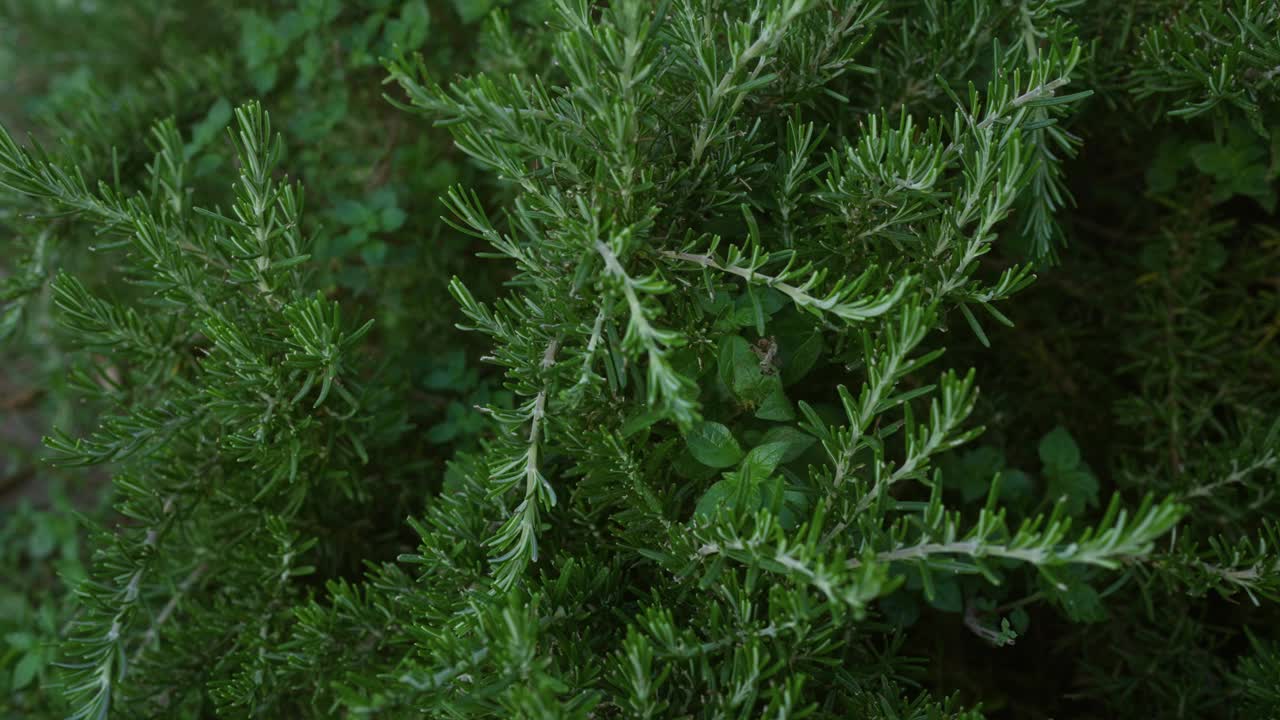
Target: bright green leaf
{"points": [[712, 444]]}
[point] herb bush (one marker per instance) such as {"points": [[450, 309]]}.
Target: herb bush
{"points": [[712, 443]]}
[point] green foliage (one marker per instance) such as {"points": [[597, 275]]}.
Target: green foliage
{"points": [[708, 439], [40, 546]]}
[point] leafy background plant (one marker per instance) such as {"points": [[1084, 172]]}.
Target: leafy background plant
{"points": [[729, 458]]}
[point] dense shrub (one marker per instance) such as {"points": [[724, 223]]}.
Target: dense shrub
{"points": [[714, 445]]}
